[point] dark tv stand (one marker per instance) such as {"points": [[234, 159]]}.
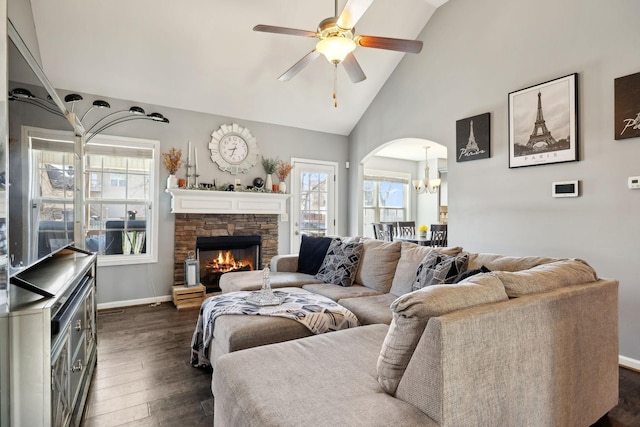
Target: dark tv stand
{"points": [[52, 318]]}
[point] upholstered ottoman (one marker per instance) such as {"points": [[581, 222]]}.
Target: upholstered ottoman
{"points": [[233, 332]]}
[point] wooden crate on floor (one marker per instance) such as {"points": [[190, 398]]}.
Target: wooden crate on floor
{"points": [[188, 297]]}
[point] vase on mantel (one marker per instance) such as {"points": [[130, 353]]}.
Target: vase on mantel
{"points": [[268, 183], [282, 187], [172, 181]]}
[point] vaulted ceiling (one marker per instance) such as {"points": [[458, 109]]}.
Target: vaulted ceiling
{"points": [[202, 55]]}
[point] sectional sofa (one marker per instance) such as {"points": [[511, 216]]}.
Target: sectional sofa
{"points": [[520, 341]]}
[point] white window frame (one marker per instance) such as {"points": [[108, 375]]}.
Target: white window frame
{"points": [[151, 255], [368, 173]]}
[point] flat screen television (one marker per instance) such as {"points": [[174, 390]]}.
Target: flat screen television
{"points": [[33, 104]]}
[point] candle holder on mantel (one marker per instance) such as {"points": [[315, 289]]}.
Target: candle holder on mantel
{"points": [[188, 167], [197, 182]]}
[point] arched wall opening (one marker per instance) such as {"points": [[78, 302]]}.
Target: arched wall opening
{"points": [[403, 159]]}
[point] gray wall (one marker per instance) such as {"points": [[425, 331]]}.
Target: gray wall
{"points": [[475, 53], [125, 283]]}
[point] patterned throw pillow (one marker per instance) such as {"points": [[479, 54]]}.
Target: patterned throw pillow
{"points": [[340, 263], [438, 269]]}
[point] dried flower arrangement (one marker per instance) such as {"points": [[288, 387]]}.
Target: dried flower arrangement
{"points": [[172, 160], [270, 165], [283, 169]]}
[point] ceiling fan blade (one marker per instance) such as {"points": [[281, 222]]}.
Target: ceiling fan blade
{"points": [[401, 45], [298, 66], [284, 30], [352, 12], [353, 69]]}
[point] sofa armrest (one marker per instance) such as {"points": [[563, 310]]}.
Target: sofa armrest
{"points": [[535, 360], [287, 263]]}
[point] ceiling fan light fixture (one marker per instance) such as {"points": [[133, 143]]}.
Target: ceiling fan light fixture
{"points": [[336, 48]]}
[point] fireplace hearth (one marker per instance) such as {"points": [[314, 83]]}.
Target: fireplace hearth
{"points": [[218, 255]]}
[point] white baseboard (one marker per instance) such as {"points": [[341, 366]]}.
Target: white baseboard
{"points": [[129, 303], [628, 362]]}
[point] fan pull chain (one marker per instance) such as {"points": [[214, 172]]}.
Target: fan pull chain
{"points": [[335, 86]]}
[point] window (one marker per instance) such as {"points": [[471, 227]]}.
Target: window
{"points": [[385, 198], [117, 179], [120, 182], [120, 198], [51, 194]]}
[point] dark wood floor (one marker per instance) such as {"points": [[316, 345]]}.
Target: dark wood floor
{"points": [[144, 378]]}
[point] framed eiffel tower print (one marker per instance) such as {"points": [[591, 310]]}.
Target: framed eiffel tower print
{"points": [[543, 123], [627, 106], [473, 138]]}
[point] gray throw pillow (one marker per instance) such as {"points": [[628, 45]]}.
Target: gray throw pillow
{"points": [[438, 269], [340, 263]]}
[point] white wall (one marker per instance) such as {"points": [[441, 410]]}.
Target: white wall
{"points": [[475, 53]]}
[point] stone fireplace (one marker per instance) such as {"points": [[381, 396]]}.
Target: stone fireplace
{"points": [[220, 214], [191, 227]]}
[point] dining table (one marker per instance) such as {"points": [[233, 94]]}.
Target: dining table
{"points": [[414, 238]]}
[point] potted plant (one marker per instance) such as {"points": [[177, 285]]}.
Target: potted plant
{"points": [[422, 230], [282, 171], [270, 165], [173, 161]]}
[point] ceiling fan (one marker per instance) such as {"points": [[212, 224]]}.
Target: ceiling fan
{"points": [[337, 41]]}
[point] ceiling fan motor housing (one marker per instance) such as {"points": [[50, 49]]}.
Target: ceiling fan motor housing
{"points": [[329, 28]]}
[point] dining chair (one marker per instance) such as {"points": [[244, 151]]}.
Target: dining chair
{"points": [[438, 235], [383, 231], [405, 228]]}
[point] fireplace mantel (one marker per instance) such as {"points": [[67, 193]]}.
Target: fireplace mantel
{"points": [[227, 202]]}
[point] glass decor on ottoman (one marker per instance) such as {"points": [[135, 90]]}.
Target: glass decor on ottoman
{"points": [[265, 295], [191, 270]]}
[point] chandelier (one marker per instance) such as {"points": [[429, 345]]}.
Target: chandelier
{"points": [[426, 185]]}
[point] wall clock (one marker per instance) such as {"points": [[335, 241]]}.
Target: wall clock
{"points": [[233, 148]]}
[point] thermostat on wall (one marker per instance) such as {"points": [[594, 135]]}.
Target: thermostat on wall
{"points": [[565, 189], [634, 182]]}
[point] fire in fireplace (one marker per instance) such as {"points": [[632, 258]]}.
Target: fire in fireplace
{"points": [[224, 254]]}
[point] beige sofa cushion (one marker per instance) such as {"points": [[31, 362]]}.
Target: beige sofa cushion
{"points": [[337, 292], [323, 380], [412, 311], [378, 264], [411, 255], [252, 280], [547, 277], [370, 310], [496, 262]]}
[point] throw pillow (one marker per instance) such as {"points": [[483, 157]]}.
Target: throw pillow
{"points": [[411, 256], [340, 263], [469, 273], [378, 264], [438, 269], [312, 252], [411, 313], [547, 277]]}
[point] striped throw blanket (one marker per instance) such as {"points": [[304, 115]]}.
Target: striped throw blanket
{"points": [[318, 313]]}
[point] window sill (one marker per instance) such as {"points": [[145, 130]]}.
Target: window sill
{"points": [[113, 260]]}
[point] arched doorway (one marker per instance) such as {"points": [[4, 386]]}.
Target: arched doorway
{"points": [[386, 181]]}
